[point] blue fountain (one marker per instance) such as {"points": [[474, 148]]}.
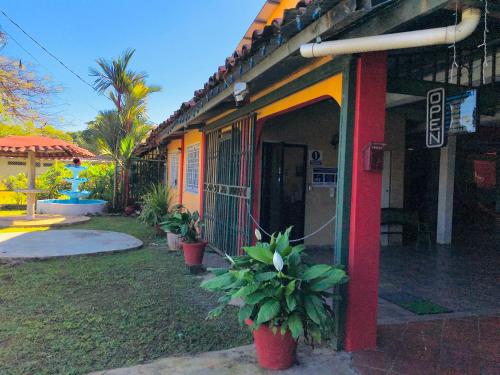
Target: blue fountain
{"points": [[75, 205], [74, 194]]}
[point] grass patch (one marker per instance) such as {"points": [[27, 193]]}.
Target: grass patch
{"points": [[87, 313]]}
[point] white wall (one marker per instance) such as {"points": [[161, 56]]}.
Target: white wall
{"points": [[7, 170]]}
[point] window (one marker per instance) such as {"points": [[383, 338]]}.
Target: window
{"points": [[192, 166], [16, 163], [47, 164], [173, 172]]}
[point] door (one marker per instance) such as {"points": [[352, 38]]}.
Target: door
{"points": [[229, 157], [283, 187]]}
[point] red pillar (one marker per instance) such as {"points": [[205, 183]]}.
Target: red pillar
{"points": [[364, 236]]}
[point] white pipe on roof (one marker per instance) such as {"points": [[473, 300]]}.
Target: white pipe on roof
{"points": [[410, 39]]}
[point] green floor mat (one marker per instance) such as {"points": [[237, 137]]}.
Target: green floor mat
{"points": [[413, 303]]}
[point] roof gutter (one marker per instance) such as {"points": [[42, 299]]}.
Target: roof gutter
{"points": [[410, 39]]}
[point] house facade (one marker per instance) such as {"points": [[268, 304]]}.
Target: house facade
{"points": [[343, 147]]}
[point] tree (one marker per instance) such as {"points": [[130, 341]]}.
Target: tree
{"points": [[129, 92], [29, 128], [22, 94]]}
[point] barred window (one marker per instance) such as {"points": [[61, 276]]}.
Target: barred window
{"points": [[192, 167], [173, 171], [48, 164], [16, 163]]}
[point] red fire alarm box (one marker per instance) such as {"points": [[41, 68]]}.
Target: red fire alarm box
{"points": [[373, 156]]}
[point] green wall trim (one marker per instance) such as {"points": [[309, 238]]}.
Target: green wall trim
{"points": [[344, 185]]}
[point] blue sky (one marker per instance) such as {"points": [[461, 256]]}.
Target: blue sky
{"points": [[179, 43]]}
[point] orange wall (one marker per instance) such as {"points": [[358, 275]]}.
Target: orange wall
{"points": [[191, 200]]}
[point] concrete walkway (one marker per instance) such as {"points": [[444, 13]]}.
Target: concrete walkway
{"points": [[57, 243], [20, 221], [466, 346], [242, 361]]}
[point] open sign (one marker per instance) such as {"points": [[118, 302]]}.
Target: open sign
{"points": [[434, 136]]}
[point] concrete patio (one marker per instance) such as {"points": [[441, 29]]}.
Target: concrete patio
{"points": [[447, 346], [41, 220], [57, 243]]}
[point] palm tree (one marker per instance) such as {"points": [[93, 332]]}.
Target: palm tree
{"points": [[115, 74], [106, 129], [128, 92]]}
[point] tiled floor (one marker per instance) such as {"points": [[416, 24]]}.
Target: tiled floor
{"points": [[465, 346], [461, 277], [464, 278]]}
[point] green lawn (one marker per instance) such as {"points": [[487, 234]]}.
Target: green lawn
{"points": [[79, 314]]}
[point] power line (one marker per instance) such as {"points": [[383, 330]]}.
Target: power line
{"points": [[47, 51], [20, 46]]}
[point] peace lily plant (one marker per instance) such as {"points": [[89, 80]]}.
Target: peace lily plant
{"points": [[280, 292]]}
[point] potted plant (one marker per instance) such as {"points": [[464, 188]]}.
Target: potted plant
{"points": [[192, 245], [175, 221], [155, 206], [283, 297]]}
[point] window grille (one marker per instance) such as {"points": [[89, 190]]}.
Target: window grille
{"points": [[192, 167], [47, 164], [16, 163]]}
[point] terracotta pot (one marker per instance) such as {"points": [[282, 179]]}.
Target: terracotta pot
{"points": [[274, 351], [193, 252], [174, 241]]}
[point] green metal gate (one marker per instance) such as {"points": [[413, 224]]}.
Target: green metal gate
{"points": [[228, 185]]}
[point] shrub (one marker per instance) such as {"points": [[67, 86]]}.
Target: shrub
{"points": [[100, 181], [19, 181], [53, 181], [156, 204], [279, 289]]}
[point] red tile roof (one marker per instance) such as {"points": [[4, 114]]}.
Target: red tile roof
{"points": [[275, 34], [43, 147]]}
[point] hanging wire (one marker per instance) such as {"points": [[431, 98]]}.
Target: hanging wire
{"points": [[46, 50], [454, 65], [296, 239], [485, 36]]}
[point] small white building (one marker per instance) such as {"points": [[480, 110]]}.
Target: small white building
{"points": [[14, 166]]}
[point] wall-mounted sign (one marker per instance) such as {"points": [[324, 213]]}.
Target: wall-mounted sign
{"points": [[315, 157], [461, 113], [324, 177], [434, 134]]}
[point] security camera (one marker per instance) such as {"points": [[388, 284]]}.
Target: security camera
{"points": [[240, 92]]}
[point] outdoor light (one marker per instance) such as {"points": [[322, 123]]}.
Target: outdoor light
{"points": [[240, 92]]}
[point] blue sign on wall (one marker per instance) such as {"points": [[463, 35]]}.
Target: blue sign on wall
{"points": [[461, 114]]}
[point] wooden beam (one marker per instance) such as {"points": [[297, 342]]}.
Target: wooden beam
{"points": [[487, 95], [419, 87]]}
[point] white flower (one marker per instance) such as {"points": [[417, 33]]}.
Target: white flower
{"points": [[230, 258], [258, 236], [277, 261]]}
